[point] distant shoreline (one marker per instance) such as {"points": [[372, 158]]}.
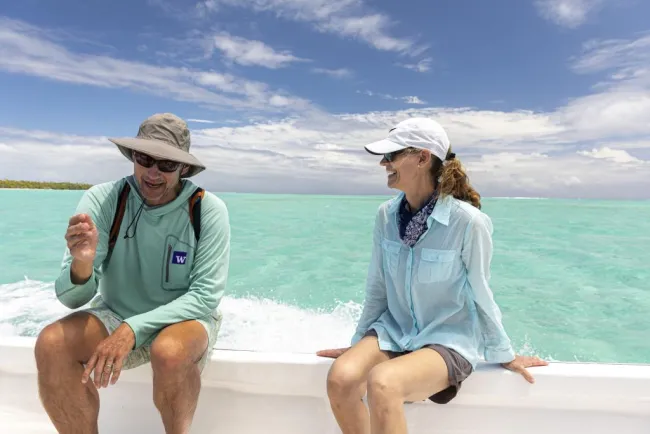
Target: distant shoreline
{"points": [[8, 184]]}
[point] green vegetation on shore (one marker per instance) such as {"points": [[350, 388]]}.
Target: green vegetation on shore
{"points": [[7, 183]]}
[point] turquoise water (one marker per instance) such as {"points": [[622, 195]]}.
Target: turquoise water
{"points": [[571, 277]]}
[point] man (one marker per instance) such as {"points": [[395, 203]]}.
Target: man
{"points": [[151, 253]]}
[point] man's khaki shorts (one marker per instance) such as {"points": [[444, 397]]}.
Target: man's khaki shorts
{"points": [[142, 355]]}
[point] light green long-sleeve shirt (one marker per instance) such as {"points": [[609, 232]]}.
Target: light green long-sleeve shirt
{"points": [[159, 276]]}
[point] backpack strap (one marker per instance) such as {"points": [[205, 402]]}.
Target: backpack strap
{"points": [[195, 211], [117, 219], [195, 216]]}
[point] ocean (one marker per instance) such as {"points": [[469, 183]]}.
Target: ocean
{"points": [[571, 277]]}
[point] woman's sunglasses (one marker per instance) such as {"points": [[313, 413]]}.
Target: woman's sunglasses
{"points": [[392, 155], [166, 166]]}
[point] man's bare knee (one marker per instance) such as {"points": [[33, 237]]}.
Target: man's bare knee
{"points": [[169, 355], [49, 344], [176, 377], [72, 337], [178, 347]]}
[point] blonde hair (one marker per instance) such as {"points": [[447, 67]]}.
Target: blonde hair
{"points": [[450, 179], [455, 182]]}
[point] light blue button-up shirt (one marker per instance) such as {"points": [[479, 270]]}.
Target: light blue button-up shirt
{"points": [[436, 292]]}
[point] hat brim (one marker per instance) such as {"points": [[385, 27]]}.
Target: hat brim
{"points": [[160, 150], [384, 146]]}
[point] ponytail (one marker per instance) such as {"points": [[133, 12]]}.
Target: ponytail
{"points": [[451, 180]]}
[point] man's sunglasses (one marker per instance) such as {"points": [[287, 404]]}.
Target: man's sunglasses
{"points": [[163, 165]]}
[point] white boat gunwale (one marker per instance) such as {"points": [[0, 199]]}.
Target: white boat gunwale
{"points": [[615, 396]]}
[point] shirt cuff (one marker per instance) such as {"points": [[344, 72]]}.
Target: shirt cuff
{"points": [[498, 355], [136, 325], [70, 293]]}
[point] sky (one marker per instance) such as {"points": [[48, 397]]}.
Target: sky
{"points": [[540, 98]]}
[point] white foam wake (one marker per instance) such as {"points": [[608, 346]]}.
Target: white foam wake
{"points": [[249, 324]]}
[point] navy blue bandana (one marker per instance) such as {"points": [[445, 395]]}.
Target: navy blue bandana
{"points": [[412, 226]]}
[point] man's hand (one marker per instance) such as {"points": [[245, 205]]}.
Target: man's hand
{"points": [[109, 356], [520, 363], [333, 354], [82, 238]]}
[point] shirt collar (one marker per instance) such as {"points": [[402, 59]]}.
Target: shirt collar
{"points": [[441, 211], [396, 201]]}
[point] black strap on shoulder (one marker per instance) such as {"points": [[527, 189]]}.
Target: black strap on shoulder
{"points": [[195, 211], [117, 219]]}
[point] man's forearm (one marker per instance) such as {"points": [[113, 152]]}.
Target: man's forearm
{"points": [[77, 284], [80, 272]]}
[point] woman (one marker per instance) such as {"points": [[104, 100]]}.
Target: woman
{"points": [[429, 314]]}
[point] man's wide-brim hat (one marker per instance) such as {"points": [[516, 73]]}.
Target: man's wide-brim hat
{"points": [[163, 136]]}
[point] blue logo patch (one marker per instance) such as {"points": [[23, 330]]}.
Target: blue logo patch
{"points": [[179, 258]]}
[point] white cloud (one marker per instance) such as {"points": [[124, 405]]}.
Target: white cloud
{"points": [[627, 57], [43, 155], [252, 53], [200, 121], [633, 144], [478, 131], [568, 13], [423, 65], [568, 175], [206, 7], [406, 99], [620, 107], [336, 73], [13, 136], [594, 146], [615, 155], [369, 28], [413, 100], [324, 153], [25, 49], [346, 18]]}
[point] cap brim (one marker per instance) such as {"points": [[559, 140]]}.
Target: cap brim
{"points": [[383, 147], [159, 150]]}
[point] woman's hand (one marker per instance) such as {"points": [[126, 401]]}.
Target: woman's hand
{"points": [[333, 354], [520, 363]]}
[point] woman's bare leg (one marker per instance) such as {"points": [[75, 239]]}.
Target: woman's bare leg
{"points": [[411, 377], [346, 385]]}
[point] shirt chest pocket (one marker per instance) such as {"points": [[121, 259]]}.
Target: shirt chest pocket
{"points": [[390, 250], [435, 265], [177, 264]]}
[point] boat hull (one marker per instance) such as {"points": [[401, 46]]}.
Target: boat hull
{"points": [[254, 392]]}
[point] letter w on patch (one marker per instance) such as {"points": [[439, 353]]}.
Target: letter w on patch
{"points": [[179, 258]]}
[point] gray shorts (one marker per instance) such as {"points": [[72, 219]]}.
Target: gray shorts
{"points": [[458, 369], [142, 354]]}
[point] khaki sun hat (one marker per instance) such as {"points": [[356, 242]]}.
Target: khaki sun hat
{"points": [[164, 136]]}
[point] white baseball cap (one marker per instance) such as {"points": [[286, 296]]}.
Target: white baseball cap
{"points": [[421, 133]]}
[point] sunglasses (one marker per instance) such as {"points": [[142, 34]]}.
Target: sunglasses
{"points": [[166, 166], [392, 155]]}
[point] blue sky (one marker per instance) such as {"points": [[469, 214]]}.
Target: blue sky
{"points": [[540, 97]]}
